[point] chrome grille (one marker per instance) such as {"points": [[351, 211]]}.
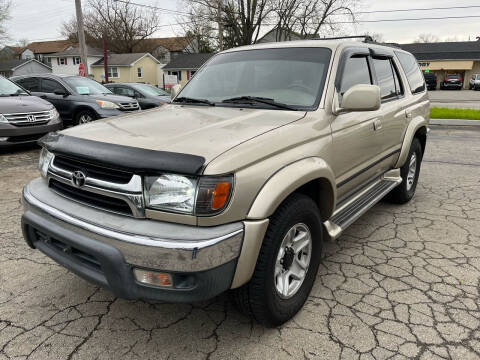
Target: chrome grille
{"points": [[104, 188], [130, 106], [29, 118]]}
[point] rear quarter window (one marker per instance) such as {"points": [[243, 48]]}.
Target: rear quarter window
{"points": [[414, 75]]}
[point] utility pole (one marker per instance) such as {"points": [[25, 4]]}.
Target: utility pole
{"points": [[220, 25], [105, 59], [81, 35]]}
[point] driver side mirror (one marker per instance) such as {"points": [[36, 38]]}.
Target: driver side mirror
{"points": [[175, 90], [361, 98], [358, 98], [61, 92]]}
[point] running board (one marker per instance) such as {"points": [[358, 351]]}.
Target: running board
{"points": [[344, 216]]}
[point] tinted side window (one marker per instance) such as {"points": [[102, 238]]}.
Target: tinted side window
{"points": [[356, 72], [49, 86], [124, 91], [414, 75], [31, 84], [385, 78]]}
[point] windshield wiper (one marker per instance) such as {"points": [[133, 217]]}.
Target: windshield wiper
{"points": [[258, 99], [184, 99]]}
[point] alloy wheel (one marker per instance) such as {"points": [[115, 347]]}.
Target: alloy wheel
{"points": [[293, 260], [412, 170]]}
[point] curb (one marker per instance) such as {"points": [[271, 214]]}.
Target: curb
{"points": [[454, 122]]}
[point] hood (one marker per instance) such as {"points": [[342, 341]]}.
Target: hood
{"points": [[196, 130], [111, 97], [22, 104]]}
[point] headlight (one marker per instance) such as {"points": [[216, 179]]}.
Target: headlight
{"points": [[44, 161], [189, 195], [3, 119], [171, 193], [53, 114], [107, 104]]}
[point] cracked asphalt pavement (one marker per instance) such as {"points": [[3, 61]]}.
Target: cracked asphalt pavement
{"points": [[403, 282]]}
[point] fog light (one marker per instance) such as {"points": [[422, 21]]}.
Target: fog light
{"points": [[153, 278]]}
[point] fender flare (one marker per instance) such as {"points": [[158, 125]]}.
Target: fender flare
{"points": [[288, 179], [415, 124]]}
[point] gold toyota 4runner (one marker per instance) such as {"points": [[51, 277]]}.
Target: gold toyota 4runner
{"points": [[269, 151]]}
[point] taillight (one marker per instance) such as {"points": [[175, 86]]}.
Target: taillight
{"points": [[460, 79]]}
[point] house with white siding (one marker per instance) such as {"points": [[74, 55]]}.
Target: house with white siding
{"points": [[67, 62]]}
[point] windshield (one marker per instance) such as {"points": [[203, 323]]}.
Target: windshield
{"points": [[147, 89], [8, 88], [86, 86], [453, 76], [291, 76]]}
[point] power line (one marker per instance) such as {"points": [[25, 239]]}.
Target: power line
{"points": [[418, 9], [151, 7]]}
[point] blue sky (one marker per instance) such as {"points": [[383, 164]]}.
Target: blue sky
{"points": [[38, 20]]}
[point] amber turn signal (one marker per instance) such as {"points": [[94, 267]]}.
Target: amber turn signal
{"points": [[220, 195]]}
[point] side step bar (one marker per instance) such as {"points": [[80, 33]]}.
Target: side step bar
{"points": [[344, 216]]}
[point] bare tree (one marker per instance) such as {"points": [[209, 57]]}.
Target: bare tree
{"points": [[427, 38], [377, 37], [123, 24], [199, 28], [243, 20], [5, 7]]}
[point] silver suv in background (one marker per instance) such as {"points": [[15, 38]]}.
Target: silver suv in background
{"points": [[474, 82], [24, 118]]}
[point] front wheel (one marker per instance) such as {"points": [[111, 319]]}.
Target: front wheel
{"points": [[287, 264], [409, 172], [84, 117]]}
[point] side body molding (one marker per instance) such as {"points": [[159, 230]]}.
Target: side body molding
{"points": [[415, 124], [290, 178]]}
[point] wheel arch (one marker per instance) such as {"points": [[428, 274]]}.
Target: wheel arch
{"points": [[311, 176], [80, 108], [417, 128]]}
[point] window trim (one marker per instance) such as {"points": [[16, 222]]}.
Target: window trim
{"points": [[110, 72]]}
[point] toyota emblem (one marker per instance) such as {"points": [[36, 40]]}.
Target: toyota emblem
{"points": [[78, 178], [31, 118]]}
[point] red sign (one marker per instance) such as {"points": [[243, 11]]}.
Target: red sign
{"points": [[81, 69]]}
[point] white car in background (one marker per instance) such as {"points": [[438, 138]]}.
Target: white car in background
{"points": [[475, 82]]}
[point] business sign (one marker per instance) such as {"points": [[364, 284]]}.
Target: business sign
{"points": [[170, 80]]}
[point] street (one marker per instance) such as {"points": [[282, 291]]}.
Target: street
{"points": [[467, 99], [403, 282]]}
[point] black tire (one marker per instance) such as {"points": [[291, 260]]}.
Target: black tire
{"points": [[79, 116], [403, 193], [259, 298]]}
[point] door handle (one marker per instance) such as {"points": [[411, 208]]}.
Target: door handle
{"points": [[408, 114], [377, 124], [43, 96]]}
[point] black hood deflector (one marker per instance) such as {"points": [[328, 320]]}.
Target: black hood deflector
{"points": [[128, 158]]}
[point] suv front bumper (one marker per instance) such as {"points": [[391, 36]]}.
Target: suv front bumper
{"points": [[104, 248]]}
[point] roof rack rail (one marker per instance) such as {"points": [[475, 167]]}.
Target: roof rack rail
{"points": [[367, 38]]}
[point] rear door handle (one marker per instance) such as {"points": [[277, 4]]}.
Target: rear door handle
{"points": [[377, 124]]}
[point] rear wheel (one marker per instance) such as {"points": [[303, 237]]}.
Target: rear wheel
{"points": [[287, 264], [84, 116], [410, 171]]}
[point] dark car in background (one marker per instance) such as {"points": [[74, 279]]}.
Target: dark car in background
{"points": [[24, 118], [452, 81], [148, 96], [78, 99], [430, 80]]}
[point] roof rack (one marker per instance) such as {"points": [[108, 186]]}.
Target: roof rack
{"points": [[367, 38]]}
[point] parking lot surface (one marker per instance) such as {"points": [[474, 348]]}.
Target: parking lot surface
{"points": [[467, 99], [403, 282]]}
